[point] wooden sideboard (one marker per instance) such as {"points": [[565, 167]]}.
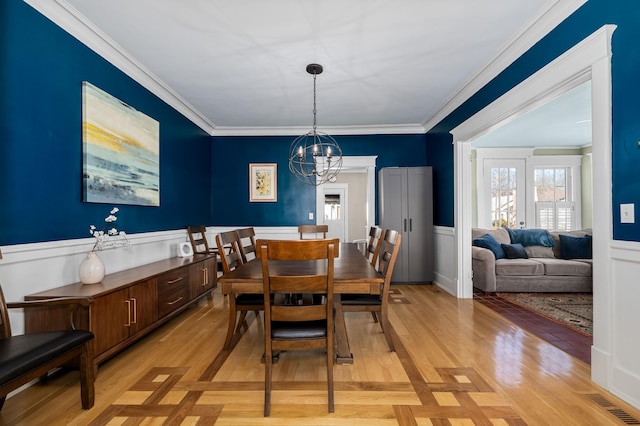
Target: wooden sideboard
{"points": [[129, 304]]}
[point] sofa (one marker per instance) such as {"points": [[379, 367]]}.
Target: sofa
{"points": [[531, 260]]}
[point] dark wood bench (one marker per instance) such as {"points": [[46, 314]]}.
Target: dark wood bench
{"points": [[26, 357]]}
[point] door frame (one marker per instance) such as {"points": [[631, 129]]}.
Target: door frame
{"points": [[589, 59]]}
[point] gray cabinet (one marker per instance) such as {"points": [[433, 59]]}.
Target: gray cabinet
{"points": [[405, 204]]}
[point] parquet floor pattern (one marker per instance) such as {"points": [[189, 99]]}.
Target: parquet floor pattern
{"points": [[164, 396], [457, 362]]}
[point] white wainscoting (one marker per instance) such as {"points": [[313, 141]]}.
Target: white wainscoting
{"points": [[444, 258], [624, 288], [31, 268]]}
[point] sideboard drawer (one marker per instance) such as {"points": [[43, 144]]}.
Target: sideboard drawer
{"points": [[170, 300], [173, 290], [169, 281]]}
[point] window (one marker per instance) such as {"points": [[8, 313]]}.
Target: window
{"points": [[554, 207], [503, 197], [517, 189], [332, 207]]}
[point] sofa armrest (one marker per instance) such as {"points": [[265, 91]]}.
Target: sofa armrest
{"points": [[483, 263]]}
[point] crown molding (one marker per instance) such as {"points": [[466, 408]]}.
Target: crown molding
{"points": [[337, 130], [538, 26], [61, 13]]}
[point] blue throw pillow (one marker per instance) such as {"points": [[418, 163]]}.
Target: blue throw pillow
{"points": [[576, 247], [531, 237], [488, 242], [514, 251]]}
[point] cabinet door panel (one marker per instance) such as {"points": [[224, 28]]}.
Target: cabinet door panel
{"points": [[203, 276], [419, 243], [393, 194], [110, 320], [144, 302]]}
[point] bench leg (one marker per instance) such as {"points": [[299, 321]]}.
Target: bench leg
{"points": [[87, 376]]}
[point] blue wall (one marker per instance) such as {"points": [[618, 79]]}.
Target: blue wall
{"points": [[40, 136], [41, 142], [626, 92], [231, 157]]}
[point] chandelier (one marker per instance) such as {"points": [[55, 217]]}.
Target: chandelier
{"points": [[315, 157]]}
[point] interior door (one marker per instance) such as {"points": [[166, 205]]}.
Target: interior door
{"points": [[332, 210]]}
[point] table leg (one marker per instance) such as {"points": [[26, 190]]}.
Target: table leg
{"points": [[343, 353]]}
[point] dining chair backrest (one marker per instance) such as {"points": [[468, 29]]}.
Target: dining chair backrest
{"points": [[374, 244], [247, 243], [229, 250], [387, 257], [198, 239], [314, 230], [293, 326]]}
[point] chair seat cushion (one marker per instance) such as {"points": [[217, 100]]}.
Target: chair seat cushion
{"points": [[19, 354], [250, 299], [361, 299], [285, 330]]}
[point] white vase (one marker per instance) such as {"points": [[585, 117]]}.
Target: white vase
{"points": [[91, 270]]}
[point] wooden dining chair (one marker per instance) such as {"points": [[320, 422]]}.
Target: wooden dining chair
{"points": [[297, 326], [198, 239], [239, 304], [378, 304], [314, 230], [373, 245], [247, 243]]}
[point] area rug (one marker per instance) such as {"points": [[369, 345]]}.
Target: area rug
{"points": [[573, 310]]}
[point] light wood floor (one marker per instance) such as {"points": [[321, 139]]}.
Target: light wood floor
{"points": [[457, 363]]}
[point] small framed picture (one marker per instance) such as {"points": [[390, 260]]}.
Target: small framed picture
{"points": [[263, 182]]}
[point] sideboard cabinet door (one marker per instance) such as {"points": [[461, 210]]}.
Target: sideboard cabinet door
{"points": [[117, 316], [203, 276]]}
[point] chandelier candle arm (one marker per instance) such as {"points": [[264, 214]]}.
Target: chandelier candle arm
{"points": [[315, 157]]}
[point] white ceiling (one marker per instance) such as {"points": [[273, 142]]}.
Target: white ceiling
{"points": [[241, 64], [564, 121]]}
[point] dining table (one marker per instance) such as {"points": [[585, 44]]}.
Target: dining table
{"points": [[353, 273]]}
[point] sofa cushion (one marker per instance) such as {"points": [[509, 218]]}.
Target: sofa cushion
{"points": [[488, 242], [556, 239], [566, 267], [531, 237], [539, 251], [519, 267], [501, 235], [514, 251], [575, 247]]}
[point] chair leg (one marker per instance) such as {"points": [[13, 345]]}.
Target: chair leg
{"points": [[267, 382], [375, 318], [386, 329], [241, 320], [2, 401], [330, 361]]}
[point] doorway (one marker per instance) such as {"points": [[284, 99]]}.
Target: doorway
{"points": [[358, 174], [590, 59], [335, 210]]}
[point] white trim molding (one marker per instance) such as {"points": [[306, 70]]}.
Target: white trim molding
{"points": [[67, 17], [539, 26]]}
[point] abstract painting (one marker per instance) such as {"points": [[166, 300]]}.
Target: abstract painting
{"points": [[121, 151], [263, 182]]}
